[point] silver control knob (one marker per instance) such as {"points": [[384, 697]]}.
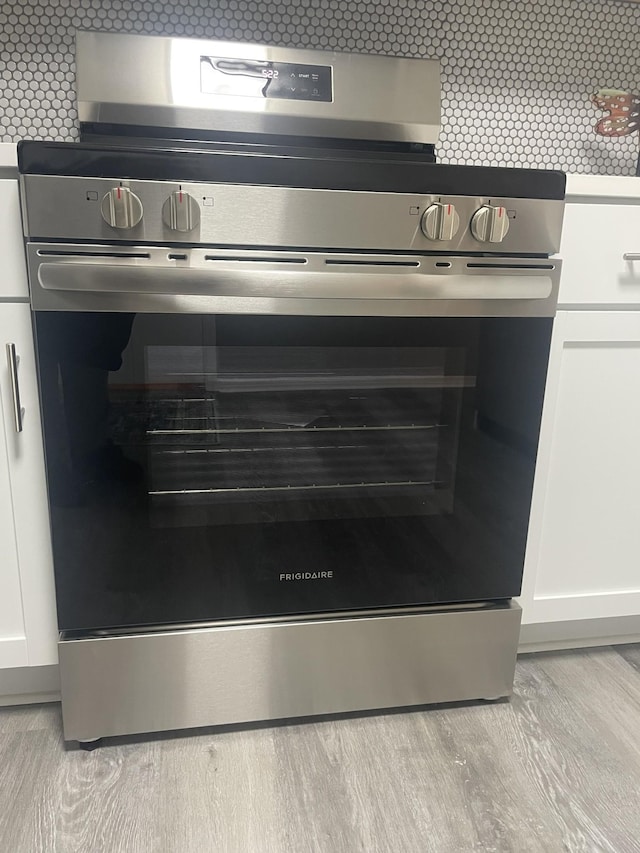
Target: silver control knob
{"points": [[180, 212], [490, 224], [440, 222], [121, 208]]}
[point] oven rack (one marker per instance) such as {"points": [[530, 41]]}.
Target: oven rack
{"points": [[293, 429], [289, 489], [375, 461], [273, 419]]}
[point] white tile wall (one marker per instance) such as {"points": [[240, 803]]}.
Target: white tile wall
{"points": [[517, 77]]}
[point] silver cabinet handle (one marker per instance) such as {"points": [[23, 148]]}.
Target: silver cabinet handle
{"points": [[631, 256], [13, 360]]}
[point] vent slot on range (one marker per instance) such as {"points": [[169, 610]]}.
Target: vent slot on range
{"points": [[254, 260], [348, 262], [66, 253], [490, 266]]}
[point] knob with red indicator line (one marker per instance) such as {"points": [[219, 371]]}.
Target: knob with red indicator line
{"points": [[180, 212], [440, 221], [121, 208], [490, 224]]}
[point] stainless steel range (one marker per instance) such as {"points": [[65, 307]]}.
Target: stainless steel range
{"points": [[292, 374]]}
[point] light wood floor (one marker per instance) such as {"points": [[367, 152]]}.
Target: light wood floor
{"points": [[556, 769]]}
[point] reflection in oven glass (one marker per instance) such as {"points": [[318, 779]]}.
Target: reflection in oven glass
{"points": [[245, 434], [80, 353]]}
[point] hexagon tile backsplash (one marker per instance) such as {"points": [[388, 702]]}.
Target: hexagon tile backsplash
{"points": [[516, 84]]}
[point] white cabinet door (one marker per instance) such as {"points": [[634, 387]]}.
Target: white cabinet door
{"points": [[583, 553], [13, 276], [24, 478], [595, 239], [13, 642]]}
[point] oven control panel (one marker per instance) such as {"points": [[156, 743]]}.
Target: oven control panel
{"points": [[76, 208], [262, 78]]}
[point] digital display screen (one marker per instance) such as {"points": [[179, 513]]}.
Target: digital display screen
{"points": [[256, 78]]}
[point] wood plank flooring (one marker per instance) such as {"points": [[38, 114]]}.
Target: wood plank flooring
{"points": [[556, 769]]}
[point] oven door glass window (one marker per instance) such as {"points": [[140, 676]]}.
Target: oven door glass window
{"points": [[222, 467]]}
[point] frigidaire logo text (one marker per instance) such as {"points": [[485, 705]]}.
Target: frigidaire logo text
{"points": [[304, 576]]}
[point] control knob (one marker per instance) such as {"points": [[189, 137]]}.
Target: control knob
{"points": [[121, 208], [440, 222], [180, 212], [490, 224]]}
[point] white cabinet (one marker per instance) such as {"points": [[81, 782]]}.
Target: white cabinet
{"points": [[583, 553], [28, 629], [595, 239], [13, 276]]}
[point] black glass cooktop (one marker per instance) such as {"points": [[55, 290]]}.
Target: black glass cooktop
{"points": [[344, 169]]}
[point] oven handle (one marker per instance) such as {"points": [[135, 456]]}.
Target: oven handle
{"points": [[274, 283]]}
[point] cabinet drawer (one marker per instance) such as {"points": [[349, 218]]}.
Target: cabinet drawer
{"points": [[595, 239], [13, 274]]}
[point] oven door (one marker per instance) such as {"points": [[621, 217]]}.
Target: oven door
{"points": [[206, 463], [208, 467]]}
